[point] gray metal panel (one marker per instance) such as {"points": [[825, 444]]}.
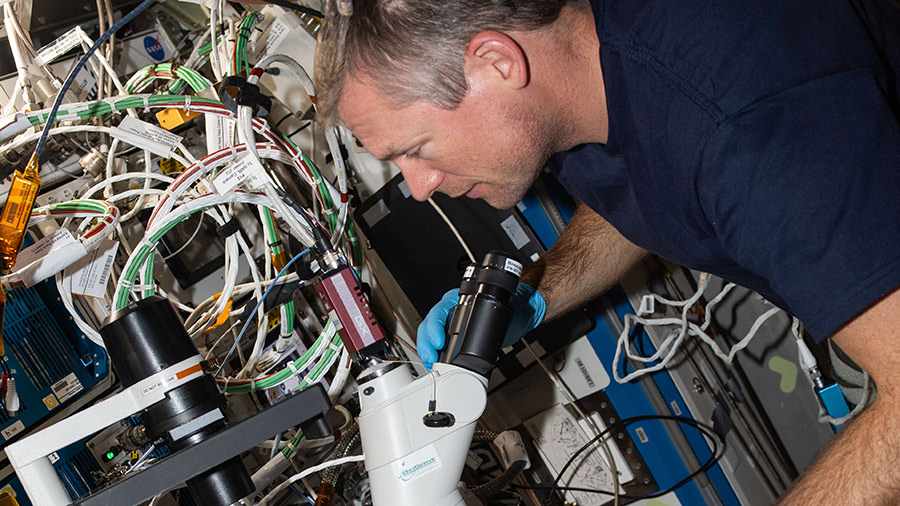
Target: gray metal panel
{"points": [[187, 463], [754, 462]]}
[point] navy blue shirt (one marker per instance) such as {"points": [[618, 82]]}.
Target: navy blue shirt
{"points": [[755, 140]]}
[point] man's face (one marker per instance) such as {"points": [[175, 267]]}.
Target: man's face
{"points": [[489, 147]]}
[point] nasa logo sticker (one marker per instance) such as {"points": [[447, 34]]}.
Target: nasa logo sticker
{"points": [[154, 48]]}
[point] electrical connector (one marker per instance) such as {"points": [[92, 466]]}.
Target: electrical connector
{"points": [[12, 397]]}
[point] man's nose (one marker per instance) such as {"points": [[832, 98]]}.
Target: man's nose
{"points": [[421, 179]]}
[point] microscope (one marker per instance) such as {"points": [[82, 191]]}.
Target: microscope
{"points": [[416, 432]]}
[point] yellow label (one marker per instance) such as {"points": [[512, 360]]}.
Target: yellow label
{"points": [[18, 205], [50, 401], [168, 166]]}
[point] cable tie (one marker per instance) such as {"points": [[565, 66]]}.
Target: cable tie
{"points": [[335, 347], [227, 380], [228, 228], [252, 386], [144, 242], [293, 368], [146, 103], [187, 104]]}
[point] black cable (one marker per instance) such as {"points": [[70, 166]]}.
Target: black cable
{"points": [[297, 131], [322, 242], [706, 431], [279, 122], [78, 66], [294, 7]]}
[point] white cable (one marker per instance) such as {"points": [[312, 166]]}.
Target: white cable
{"points": [[261, 316], [214, 58], [65, 295], [453, 229], [340, 376], [109, 181], [670, 345], [306, 472]]}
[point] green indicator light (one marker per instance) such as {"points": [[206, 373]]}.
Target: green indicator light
{"points": [[110, 455]]}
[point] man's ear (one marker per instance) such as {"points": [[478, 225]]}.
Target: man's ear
{"points": [[494, 56]]}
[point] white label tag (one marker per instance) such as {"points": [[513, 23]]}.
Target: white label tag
{"points": [[13, 429], [59, 47], [246, 168], [416, 465], [157, 140], [219, 133], [53, 243], [219, 130], [514, 231], [91, 273], [470, 270], [277, 33], [84, 87], [67, 387], [513, 267]]}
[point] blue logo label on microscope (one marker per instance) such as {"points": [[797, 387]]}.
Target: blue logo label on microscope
{"points": [[154, 48]]}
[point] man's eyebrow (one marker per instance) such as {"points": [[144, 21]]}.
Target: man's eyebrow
{"points": [[391, 152]]}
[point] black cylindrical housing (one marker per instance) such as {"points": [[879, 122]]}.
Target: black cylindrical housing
{"points": [[482, 316], [222, 485], [183, 404], [145, 338]]}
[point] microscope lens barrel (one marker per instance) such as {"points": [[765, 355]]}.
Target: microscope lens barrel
{"points": [[482, 316], [144, 338], [147, 337]]}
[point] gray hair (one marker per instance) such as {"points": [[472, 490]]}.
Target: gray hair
{"points": [[412, 49]]}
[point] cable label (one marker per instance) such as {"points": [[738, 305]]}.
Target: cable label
{"points": [[59, 47], [90, 274], [246, 169], [158, 141], [61, 239]]}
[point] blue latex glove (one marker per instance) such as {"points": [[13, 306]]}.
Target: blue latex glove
{"points": [[528, 312]]}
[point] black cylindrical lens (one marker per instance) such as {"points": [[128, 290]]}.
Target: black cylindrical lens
{"points": [[147, 337], [144, 338], [482, 316]]}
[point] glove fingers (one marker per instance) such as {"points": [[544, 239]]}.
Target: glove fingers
{"points": [[430, 334], [427, 351]]}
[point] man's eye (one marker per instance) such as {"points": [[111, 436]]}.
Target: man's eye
{"points": [[411, 154]]}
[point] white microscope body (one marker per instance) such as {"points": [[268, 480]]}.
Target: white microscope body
{"points": [[408, 462], [416, 432]]}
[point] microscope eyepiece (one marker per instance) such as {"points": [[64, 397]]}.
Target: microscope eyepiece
{"points": [[482, 315]]}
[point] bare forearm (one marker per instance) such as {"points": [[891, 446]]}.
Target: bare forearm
{"points": [[589, 257], [858, 466]]}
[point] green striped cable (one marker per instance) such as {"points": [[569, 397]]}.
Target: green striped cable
{"points": [[288, 372]]}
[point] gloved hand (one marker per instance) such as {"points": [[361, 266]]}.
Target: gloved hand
{"points": [[528, 312]]}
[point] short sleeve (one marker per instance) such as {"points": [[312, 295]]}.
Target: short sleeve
{"points": [[803, 189]]}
